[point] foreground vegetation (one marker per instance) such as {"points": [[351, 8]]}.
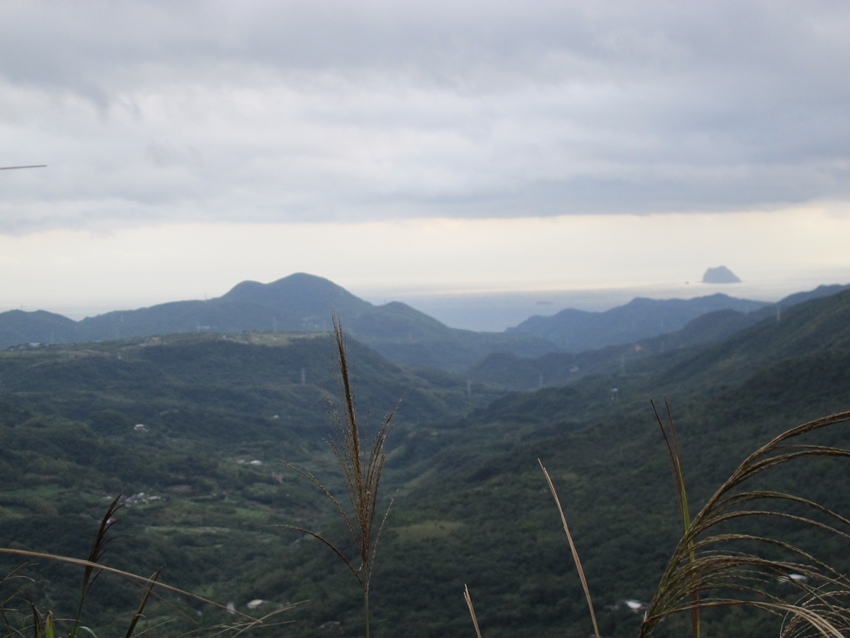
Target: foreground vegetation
{"points": [[471, 506]]}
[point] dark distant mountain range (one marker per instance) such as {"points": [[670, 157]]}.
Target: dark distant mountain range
{"points": [[305, 304], [578, 330], [556, 368]]}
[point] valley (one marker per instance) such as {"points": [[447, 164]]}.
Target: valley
{"points": [[196, 429]]}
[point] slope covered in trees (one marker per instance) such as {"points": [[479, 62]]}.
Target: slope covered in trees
{"points": [[220, 416]]}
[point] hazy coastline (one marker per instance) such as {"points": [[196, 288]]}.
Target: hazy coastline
{"points": [[497, 310]]}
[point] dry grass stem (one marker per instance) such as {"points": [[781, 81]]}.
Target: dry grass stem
{"points": [[672, 443], [142, 604], [468, 600], [47, 626], [573, 549], [362, 465], [105, 568]]}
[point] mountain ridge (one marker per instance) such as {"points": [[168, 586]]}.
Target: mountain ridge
{"points": [[579, 330], [305, 303], [554, 368], [299, 303]]}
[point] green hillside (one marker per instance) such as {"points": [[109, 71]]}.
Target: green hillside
{"points": [[201, 426], [211, 492], [484, 517], [761, 342]]}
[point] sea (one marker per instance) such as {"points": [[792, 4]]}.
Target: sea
{"points": [[497, 311]]}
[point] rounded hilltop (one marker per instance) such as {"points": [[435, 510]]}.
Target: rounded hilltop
{"points": [[720, 275]]}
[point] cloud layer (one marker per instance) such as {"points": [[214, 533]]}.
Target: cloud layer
{"points": [[151, 112]]}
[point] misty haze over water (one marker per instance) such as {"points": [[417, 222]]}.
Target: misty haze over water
{"points": [[496, 311]]}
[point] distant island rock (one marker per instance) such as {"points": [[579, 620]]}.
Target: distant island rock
{"points": [[720, 275]]}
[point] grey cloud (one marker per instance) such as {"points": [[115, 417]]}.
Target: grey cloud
{"points": [[262, 111]]}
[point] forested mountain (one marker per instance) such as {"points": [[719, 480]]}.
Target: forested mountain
{"points": [[599, 437], [579, 330], [297, 303], [641, 319], [305, 303], [513, 371], [196, 430]]}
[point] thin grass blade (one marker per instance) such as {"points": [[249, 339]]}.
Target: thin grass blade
{"points": [[672, 443], [573, 549], [468, 600], [142, 603]]}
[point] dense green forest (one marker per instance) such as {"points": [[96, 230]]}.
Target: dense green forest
{"points": [[196, 432]]}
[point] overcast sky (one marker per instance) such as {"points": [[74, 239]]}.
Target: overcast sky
{"points": [[399, 145]]}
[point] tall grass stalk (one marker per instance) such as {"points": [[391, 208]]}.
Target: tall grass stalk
{"points": [[98, 548], [668, 431], [468, 599], [142, 603], [710, 567], [362, 464], [573, 550]]}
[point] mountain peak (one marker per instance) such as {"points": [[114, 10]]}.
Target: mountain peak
{"points": [[308, 292]]}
